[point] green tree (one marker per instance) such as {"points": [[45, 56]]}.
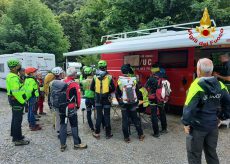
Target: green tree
{"points": [[4, 4], [218, 10], [68, 6], [72, 29], [31, 27]]}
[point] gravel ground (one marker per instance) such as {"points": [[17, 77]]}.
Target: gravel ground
{"points": [[44, 146]]}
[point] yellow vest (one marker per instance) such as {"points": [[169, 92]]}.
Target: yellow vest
{"points": [[102, 86], [145, 96]]}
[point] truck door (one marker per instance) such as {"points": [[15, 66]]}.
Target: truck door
{"points": [[179, 65]]}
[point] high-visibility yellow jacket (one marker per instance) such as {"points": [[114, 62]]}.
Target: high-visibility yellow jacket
{"points": [[144, 92], [15, 87], [31, 88]]}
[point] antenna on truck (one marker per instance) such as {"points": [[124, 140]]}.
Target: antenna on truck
{"points": [[163, 29]]}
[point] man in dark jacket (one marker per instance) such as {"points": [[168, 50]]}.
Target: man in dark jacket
{"points": [[102, 84], [206, 94], [126, 94], [152, 85], [224, 74]]}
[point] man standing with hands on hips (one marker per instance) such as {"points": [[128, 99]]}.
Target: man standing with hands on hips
{"points": [[200, 121]]}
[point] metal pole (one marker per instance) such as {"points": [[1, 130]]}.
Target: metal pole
{"points": [[66, 63]]}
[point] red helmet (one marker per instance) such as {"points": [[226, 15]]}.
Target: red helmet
{"points": [[29, 70]]}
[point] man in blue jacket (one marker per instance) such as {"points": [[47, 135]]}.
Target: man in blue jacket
{"points": [[206, 94]]}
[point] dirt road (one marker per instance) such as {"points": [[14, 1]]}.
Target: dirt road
{"points": [[44, 146]]}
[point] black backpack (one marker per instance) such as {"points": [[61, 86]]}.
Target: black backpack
{"points": [[58, 96]]}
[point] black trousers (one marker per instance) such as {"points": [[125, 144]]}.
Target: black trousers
{"points": [[16, 122], [100, 117], [154, 118], [89, 107], [72, 118], [127, 113], [197, 141]]}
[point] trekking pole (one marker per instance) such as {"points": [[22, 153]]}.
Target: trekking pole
{"points": [[66, 115], [83, 115]]}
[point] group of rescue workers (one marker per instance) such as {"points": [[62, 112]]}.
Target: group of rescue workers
{"points": [[26, 89]]}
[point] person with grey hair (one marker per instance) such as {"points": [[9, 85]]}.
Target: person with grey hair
{"points": [[69, 111], [204, 97], [224, 74]]}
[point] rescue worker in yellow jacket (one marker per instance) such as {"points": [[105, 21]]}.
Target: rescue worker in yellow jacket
{"points": [[32, 94], [143, 98], [102, 84], [17, 100]]}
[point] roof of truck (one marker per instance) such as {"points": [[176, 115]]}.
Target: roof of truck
{"points": [[162, 39], [26, 53]]}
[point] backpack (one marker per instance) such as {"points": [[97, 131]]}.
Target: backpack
{"points": [[163, 90], [48, 79], [58, 94], [128, 89]]}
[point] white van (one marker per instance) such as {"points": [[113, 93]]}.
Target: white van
{"points": [[76, 65], [44, 62]]}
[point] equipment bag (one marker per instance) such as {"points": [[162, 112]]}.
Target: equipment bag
{"points": [[163, 90], [128, 88], [58, 94]]}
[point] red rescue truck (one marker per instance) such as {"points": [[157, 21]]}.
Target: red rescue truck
{"points": [[176, 48]]}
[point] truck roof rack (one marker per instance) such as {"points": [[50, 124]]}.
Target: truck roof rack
{"points": [[163, 29]]}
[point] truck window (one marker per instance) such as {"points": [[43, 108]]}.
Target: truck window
{"points": [[133, 60], [173, 59], [2, 67]]}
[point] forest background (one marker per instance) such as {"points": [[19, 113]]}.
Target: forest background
{"points": [[59, 26]]}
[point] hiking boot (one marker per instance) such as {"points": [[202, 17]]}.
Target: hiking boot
{"points": [[63, 147], [92, 130], [157, 135], [141, 137], [42, 113], [36, 128], [80, 146], [164, 131], [109, 136], [97, 136], [37, 116], [30, 126], [22, 138], [36, 119], [21, 142], [127, 140]]}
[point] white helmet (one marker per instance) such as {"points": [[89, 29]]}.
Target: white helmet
{"points": [[57, 70]]}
